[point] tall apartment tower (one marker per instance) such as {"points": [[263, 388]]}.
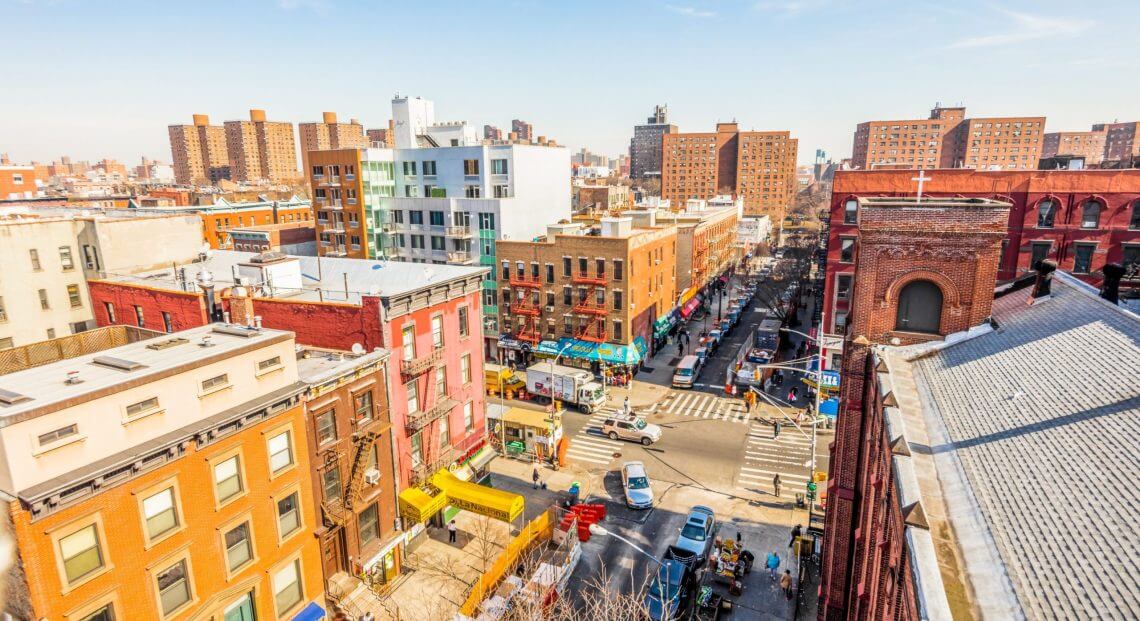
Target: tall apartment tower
{"points": [[759, 167], [261, 150], [1122, 142], [329, 134], [382, 138], [522, 129], [950, 140], [645, 146], [490, 132], [199, 152]]}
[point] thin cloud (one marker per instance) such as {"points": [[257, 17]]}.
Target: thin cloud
{"points": [[689, 11], [1026, 27], [790, 7], [320, 7]]}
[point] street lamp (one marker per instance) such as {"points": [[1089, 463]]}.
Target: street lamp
{"points": [[818, 395], [600, 531]]}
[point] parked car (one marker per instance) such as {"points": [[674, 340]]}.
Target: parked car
{"points": [[635, 482], [698, 532], [670, 591], [632, 429], [717, 336]]}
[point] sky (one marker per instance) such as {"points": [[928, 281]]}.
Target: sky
{"points": [[95, 78]]}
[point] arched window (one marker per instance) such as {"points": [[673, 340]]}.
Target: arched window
{"points": [[1090, 214], [1046, 212], [920, 307]]}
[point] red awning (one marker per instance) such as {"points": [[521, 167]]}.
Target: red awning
{"points": [[690, 307]]}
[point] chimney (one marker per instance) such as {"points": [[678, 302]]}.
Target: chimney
{"points": [[329, 118], [1110, 289], [513, 136], [241, 306], [257, 116], [354, 121], [1044, 285], [206, 284], [542, 140], [201, 120]]}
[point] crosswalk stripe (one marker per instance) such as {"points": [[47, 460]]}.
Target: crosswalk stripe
{"points": [[744, 470], [768, 439], [763, 461], [768, 475], [595, 440], [574, 456], [593, 448]]}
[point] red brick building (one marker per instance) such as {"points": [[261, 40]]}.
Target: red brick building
{"points": [[430, 317], [1080, 219], [922, 271]]}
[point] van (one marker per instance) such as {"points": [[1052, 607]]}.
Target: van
{"points": [[686, 372], [497, 378]]}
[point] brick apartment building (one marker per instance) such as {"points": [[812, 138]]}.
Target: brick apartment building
{"points": [[645, 148], [1122, 142], [18, 182], [343, 194], [1090, 145], [522, 130], [428, 315], [330, 134], [297, 238], [759, 167], [602, 286], [950, 140], [161, 479], [222, 216], [952, 464], [199, 152], [261, 150], [1081, 219], [490, 132], [601, 198]]}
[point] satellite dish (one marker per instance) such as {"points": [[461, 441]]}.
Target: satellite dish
{"points": [[357, 349]]}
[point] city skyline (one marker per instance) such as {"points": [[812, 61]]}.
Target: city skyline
{"points": [[995, 59]]}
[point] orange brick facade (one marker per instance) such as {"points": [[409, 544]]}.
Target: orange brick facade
{"points": [[18, 182], [261, 150], [760, 167], [216, 223], [199, 152], [1089, 145], [338, 191], [131, 562], [329, 134]]}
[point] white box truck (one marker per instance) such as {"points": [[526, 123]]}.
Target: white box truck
{"points": [[567, 384]]}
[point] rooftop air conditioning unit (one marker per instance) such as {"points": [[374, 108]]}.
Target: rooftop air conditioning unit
{"points": [[372, 476]]}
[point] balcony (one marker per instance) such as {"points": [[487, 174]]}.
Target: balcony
{"points": [[461, 232], [525, 307], [421, 365], [419, 420], [332, 180], [389, 227], [594, 332], [328, 205], [584, 278], [591, 307], [336, 251], [335, 227], [524, 281], [460, 258]]}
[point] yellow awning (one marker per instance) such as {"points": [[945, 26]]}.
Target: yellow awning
{"points": [[688, 295], [527, 418], [477, 498], [417, 506]]}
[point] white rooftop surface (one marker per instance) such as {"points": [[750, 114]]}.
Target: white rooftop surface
{"points": [[47, 384], [323, 364], [365, 277]]}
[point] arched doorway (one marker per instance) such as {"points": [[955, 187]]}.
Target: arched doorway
{"points": [[920, 308]]}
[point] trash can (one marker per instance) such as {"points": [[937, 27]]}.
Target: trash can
{"points": [[573, 493]]}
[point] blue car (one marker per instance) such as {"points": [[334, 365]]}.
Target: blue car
{"points": [[669, 591]]}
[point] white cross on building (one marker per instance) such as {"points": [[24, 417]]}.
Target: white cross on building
{"points": [[921, 179]]}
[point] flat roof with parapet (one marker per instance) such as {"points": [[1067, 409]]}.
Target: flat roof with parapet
{"points": [[332, 275], [22, 392], [932, 202]]}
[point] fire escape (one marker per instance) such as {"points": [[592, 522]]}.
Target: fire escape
{"points": [[525, 305], [594, 328], [338, 509]]}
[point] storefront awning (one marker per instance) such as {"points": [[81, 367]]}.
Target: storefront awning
{"points": [[481, 458], [664, 324], [417, 506], [689, 307], [595, 352], [528, 418], [312, 612], [689, 294], [477, 498]]}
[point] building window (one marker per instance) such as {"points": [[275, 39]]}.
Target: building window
{"points": [[468, 417], [435, 218], [486, 223], [1090, 214], [326, 426], [465, 368], [35, 257], [416, 217], [167, 324], [239, 548], [1082, 258], [437, 331], [410, 168], [44, 304], [142, 408], [851, 211], [288, 516], [215, 383], [919, 307], [330, 482], [1134, 220], [440, 381], [227, 479], [618, 269], [616, 296], [106, 613], [3, 313], [81, 553], [287, 589], [413, 390], [73, 296], [498, 167], [160, 513], [840, 322], [408, 341], [173, 587], [417, 449], [566, 266], [444, 433], [1046, 214], [417, 241], [57, 435], [369, 524], [464, 327], [617, 335], [471, 168], [363, 405], [438, 243], [280, 452], [139, 319], [846, 249], [1039, 251], [472, 191], [65, 259], [843, 287], [429, 168]]}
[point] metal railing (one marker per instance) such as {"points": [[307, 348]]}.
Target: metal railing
{"points": [[418, 420], [420, 365]]}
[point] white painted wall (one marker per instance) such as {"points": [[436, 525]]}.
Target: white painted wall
{"points": [[412, 115]]}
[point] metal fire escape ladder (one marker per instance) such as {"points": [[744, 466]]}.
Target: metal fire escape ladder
{"points": [[362, 442]]}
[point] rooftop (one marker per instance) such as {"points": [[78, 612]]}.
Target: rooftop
{"points": [[315, 365], [73, 378], [322, 278], [1024, 439]]}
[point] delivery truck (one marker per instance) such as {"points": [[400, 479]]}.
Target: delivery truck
{"points": [[569, 385]]}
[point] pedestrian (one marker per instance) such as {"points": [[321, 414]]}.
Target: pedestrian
{"points": [[797, 530], [625, 406], [451, 531], [773, 564], [786, 583], [776, 484], [534, 478], [776, 430], [368, 616], [681, 350]]}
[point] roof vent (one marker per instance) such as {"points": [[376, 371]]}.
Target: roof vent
{"points": [[207, 341], [72, 378], [168, 343], [232, 330], [7, 397], [112, 362]]}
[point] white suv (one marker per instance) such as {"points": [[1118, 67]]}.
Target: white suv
{"points": [[632, 429]]}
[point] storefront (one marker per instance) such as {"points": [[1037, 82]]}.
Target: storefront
{"points": [[615, 363], [690, 307], [524, 433], [516, 352], [663, 327], [418, 505]]}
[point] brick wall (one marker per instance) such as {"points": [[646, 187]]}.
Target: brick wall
{"points": [[186, 310]]}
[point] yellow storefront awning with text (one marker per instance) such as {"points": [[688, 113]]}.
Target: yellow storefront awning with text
{"points": [[417, 506], [477, 498]]}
